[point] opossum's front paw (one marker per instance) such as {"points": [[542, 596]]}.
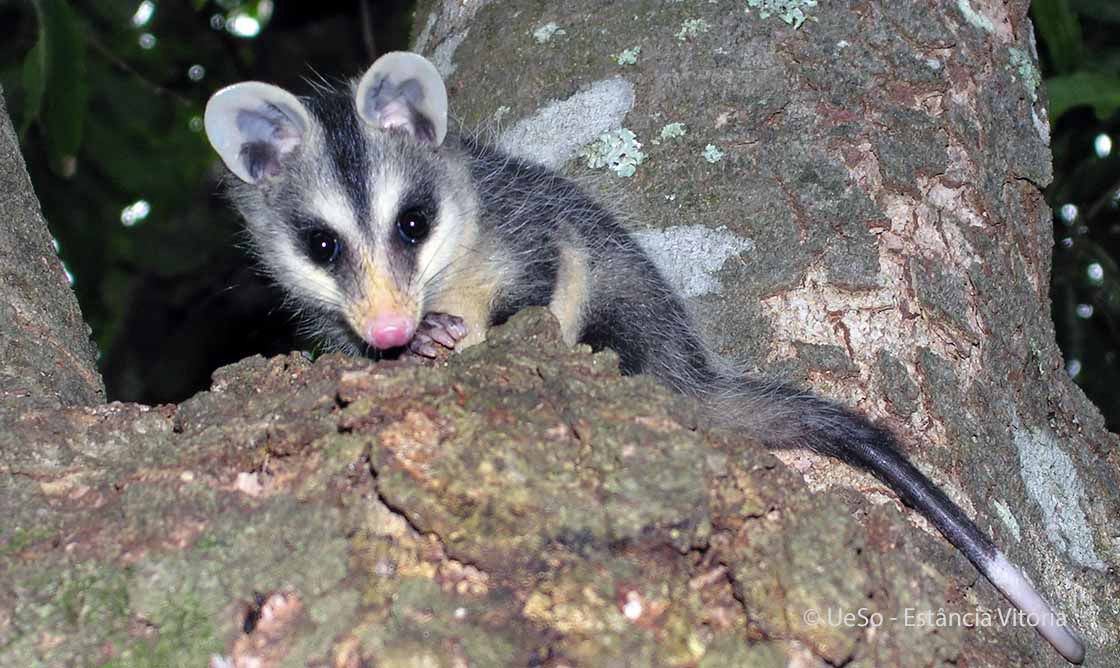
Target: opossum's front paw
{"points": [[436, 328]]}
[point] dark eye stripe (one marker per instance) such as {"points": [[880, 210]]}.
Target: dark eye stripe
{"points": [[318, 242], [413, 225], [322, 246]]}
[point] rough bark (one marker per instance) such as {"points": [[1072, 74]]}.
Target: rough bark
{"points": [[888, 242], [522, 504], [45, 352]]}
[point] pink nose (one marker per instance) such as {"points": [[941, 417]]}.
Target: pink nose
{"points": [[389, 331]]}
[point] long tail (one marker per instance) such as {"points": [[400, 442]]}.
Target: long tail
{"points": [[649, 327], [784, 418]]}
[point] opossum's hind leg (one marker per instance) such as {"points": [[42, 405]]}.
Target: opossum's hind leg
{"points": [[436, 330]]}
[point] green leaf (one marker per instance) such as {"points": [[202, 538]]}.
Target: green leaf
{"points": [[1099, 91], [1098, 10], [34, 83], [1061, 31], [55, 82]]}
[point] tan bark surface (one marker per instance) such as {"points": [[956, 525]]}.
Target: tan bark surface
{"points": [[880, 237]]}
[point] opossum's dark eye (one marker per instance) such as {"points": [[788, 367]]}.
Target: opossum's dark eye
{"points": [[413, 225], [323, 247]]}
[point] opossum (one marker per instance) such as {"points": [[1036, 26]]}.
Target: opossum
{"points": [[390, 234]]}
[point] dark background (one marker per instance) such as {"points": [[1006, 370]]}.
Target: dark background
{"points": [[109, 107]]}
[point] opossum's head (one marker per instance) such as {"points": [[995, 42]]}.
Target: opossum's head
{"points": [[353, 204]]}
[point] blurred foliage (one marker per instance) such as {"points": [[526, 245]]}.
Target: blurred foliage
{"points": [[1080, 57], [107, 98]]}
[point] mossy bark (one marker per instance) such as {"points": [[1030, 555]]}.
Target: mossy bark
{"points": [[523, 504]]}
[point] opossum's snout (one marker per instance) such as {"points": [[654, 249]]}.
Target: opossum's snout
{"points": [[383, 315], [388, 330]]}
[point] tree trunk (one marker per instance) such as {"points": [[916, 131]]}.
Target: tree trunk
{"points": [[866, 222], [45, 352], [874, 229]]}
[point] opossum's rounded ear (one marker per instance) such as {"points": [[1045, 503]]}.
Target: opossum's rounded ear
{"points": [[253, 126], [404, 90]]}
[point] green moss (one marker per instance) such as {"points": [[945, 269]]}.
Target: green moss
{"points": [[733, 651], [1024, 66], [629, 56], [619, 151], [185, 637], [790, 11], [93, 598], [545, 33], [975, 18], [89, 609], [673, 130], [21, 538], [692, 28]]}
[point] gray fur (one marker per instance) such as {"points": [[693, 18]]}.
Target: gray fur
{"points": [[519, 220]]}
